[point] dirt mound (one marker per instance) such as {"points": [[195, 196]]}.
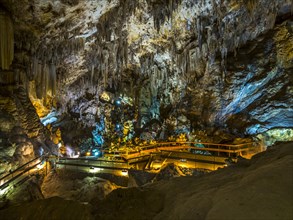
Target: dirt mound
{"points": [[52, 208]]}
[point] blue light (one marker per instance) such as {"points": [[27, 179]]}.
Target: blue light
{"points": [[50, 118], [247, 92], [97, 153], [118, 102], [98, 133]]}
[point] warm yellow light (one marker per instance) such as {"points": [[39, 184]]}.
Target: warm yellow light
{"points": [[104, 96], [41, 110], [95, 169], [41, 166], [4, 191], [124, 173]]}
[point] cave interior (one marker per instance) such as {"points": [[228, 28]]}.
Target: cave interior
{"points": [[109, 79]]}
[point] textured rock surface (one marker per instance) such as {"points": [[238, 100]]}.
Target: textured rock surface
{"points": [[53, 208], [78, 187], [152, 69], [259, 97], [28, 191], [256, 189], [221, 66], [22, 134]]}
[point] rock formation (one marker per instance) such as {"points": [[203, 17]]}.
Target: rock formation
{"points": [[150, 69]]}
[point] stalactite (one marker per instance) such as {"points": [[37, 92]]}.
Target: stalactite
{"points": [[92, 73], [198, 28], [224, 52], [187, 58], [106, 66], [6, 40], [38, 78], [250, 4], [45, 83], [34, 66], [52, 79], [125, 49], [161, 10]]}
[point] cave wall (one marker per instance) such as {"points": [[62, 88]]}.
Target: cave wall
{"points": [[22, 135], [6, 40]]}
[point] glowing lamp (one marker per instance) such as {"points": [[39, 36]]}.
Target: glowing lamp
{"points": [[104, 96], [40, 166], [4, 191], [95, 169], [124, 172], [118, 127], [118, 102]]}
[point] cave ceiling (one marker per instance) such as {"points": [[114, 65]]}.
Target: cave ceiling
{"points": [[209, 64]]}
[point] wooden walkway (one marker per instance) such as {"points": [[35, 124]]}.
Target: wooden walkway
{"points": [[188, 154], [245, 150]]}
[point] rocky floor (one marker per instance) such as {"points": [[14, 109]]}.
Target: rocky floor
{"points": [[257, 189], [76, 186]]}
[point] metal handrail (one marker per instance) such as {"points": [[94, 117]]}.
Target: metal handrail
{"points": [[18, 175], [204, 143], [96, 166], [19, 168], [237, 147]]}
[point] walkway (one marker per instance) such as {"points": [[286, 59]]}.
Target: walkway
{"points": [[186, 154]]}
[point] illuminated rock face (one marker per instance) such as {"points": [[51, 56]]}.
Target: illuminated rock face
{"points": [[258, 97], [186, 65]]}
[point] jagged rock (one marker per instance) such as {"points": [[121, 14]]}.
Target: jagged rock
{"points": [[225, 66], [7, 122], [7, 151], [75, 186], [167, 172], [241, 187], [18, 138], [62, 209], [141, 177], [17, 130], [5, 166], [24, 152]]}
